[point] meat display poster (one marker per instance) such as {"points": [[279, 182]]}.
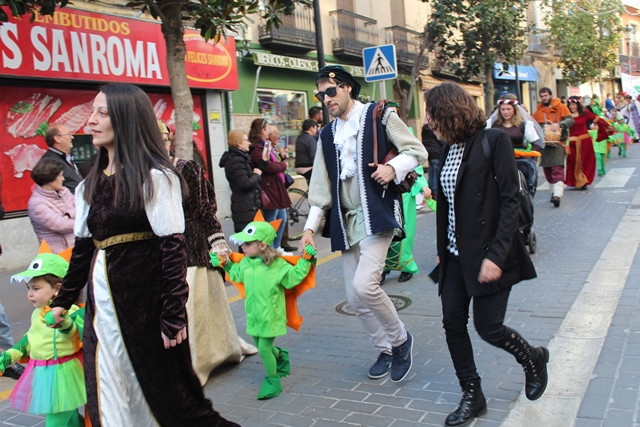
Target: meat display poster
{"points": [[25, 114]]}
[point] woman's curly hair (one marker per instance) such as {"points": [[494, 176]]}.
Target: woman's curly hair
{"points": [[453, 113]]}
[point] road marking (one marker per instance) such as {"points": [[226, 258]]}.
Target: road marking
{"points": [[615, 178], [575, 348], [321, 261], [5, 394]]}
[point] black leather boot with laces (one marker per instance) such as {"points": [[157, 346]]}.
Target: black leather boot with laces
{"points": [[471, 405], [534, 362]]}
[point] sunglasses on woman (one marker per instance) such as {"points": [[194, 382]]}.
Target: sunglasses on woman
{"points": [[331, 91]]}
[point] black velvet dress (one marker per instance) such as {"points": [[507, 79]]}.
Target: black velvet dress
{"points": [[136, 290]]}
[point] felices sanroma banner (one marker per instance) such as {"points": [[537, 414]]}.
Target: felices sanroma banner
{"points": [[74, 44], [25, 114]]}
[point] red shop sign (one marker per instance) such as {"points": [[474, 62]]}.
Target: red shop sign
{"points": [[76, 44]]}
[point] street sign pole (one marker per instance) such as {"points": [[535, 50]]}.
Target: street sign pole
{"points": [[383, 89]]}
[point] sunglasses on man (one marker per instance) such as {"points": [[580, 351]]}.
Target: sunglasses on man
{"points": [[331, 91]]}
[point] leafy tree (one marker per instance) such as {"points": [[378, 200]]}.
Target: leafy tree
{"points": [[586, 34], [211, 17], [471, 36]]}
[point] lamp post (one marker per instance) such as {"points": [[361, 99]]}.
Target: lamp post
{"points": [[629, 30]]}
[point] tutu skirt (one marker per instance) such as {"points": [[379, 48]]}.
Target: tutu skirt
{"points": [[50, 386]]}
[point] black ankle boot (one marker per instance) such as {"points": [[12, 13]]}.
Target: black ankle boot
{"points": [[535, 371], [471, 405], [534, 362]]}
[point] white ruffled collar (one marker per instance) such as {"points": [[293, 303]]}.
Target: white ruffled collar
{"points": [[345, 139]]}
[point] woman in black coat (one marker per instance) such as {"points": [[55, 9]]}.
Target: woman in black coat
{"points": [[481, 252], [243, 178]]}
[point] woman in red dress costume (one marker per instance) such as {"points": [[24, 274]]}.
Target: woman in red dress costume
{"points": [[581, 159]]}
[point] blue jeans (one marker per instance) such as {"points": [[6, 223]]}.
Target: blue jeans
{"points": [[273, 214], [433, 172], [6, 340]]}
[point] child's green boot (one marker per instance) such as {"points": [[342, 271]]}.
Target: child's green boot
{"points": [[271, 388], [283, 366]]}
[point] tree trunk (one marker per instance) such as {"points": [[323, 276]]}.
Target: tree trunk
{"points": [[173, 31], [488, 90]]}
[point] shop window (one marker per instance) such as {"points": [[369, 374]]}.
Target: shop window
{"points": [[286, 109]]}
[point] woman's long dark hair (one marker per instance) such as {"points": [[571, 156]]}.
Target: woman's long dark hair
{"points": [[138, 147], [453, 113]]}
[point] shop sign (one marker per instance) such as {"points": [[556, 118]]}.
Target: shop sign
{"points": [[75, 44], [304, 64]]}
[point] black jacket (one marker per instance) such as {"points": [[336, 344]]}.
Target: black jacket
{"points": [[71, 177], [245, 186], [486, 211]]}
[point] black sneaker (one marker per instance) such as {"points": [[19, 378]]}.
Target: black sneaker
{"points": [[381, 367], [14, 371], [402, 360]]}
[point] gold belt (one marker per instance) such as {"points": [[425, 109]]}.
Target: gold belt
{"points": [[123, 238]]}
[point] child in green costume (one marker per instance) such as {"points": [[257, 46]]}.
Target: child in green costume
{"points": [[265, 277], [53, 382]]}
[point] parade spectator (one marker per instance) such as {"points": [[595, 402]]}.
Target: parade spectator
{"points": [[555, 118], [244, 180], [213, 340], [434, 147], [130, 249], [316, 114], [60, 142], [274, 196], [282, 155], [479, 247], [306, 145], [362, 213], [51, 207]]}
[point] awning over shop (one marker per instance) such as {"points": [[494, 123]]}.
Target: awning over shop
{"points": [[428, 82], [526, 73]]}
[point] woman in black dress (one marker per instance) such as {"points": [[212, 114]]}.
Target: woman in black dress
{"points": [[130, 249]]}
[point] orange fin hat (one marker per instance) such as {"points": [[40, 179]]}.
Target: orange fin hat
{"points": [[258, 229], [45, 262]]}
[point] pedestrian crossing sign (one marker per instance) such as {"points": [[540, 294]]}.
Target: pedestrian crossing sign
{"points": [[380, 63]]}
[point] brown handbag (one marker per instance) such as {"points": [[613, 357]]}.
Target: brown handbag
{"points": [[408, 181]]}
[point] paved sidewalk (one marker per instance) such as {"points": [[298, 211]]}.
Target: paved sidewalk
{"points": [[330, 356]]}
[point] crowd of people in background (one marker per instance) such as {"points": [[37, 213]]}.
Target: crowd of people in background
{"points": [[146, 238]]}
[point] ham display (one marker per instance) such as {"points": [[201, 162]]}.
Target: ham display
{"points": [[26, 117], [76, 117], [24, 157]]}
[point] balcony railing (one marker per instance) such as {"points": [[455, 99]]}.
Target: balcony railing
{"points": [[407, 43], [352, 33], [296, 33]]}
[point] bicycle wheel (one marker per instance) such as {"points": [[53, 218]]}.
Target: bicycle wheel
{"points": [[298, 212]]}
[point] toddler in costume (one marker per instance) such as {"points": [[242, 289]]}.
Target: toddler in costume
{"points": [[53, 382], [265, 277]]}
